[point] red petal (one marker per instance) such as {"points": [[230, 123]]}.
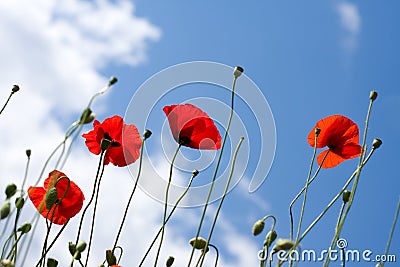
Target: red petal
{"points": [[331, 160]]}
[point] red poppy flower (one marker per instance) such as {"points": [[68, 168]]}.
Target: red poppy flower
{"points": [[340, 135], [125, 141], [192, 127], [67, 208]]}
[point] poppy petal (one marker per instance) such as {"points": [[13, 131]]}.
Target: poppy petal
{"points": [[331, 160]]}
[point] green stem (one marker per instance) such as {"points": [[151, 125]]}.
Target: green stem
{"points": [[8, 100], [340, 214], [216, 170], [169, 216], [131, 196], [222, 198], [354, 187], [217, 254], [166, 204], [396, 216]]}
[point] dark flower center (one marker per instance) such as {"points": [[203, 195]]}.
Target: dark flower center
{"points": [[113, 143]]}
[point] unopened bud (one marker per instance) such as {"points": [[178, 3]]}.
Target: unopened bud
{"points": [[25, 228], [317, 131], [11, 189], [51, 197], [170, 261], [112, 81], [237, 71], [15, 88], [283, 244], [28, 153], [105, 144], [200, 243], [147, 134], [376, 143], [71, 248], [52, 262], [5, 209], [271, 236], [195, 173], [19, 202], [110, 257], [77, 255], [81, 246], [7, 263], [87, 116], [373, 95], [346, 196], [258, 227]]}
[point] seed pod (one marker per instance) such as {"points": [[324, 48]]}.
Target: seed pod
{"points": [[81, 246], [200, 243], [110, 257], [237, 71], [283, 244], [170, 261], [11, 189], [51, 197], [376, 143], [19, 202], [373, 95], [346, 196], [52, 262], [25, 228], [5, 209], [147, 134]]}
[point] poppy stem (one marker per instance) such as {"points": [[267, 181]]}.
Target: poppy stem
{"points": [[166, 204], [382, 263], [131, 196], [355, 184], [216, 170], [8, 100], [301, 192], [169, 216], [94, 212], [266, 247], [316, 220], [228, 182]]}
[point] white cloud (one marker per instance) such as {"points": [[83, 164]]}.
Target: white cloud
{"points": [[55, 50], [350, 20]]}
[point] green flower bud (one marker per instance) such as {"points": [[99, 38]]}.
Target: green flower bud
{"points": [[52, 262], [271, 236], [376, 143], [81, 246], [346, 196], [170, 261], [28, 153], [283, 244], [200, 243], [5, 209], [258, 227], [11, 189], [51, 197], [237, 71], [87, 116], [105, 144], [15, 88], [71, 248], [25, 228], [373, 95], [110, 257], [19, 202], [147, 134]]}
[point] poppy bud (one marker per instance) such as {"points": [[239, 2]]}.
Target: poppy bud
{"points": [[51, 197], [195, 173], [200, 243], [28, 153], [258, 227], [101, 265], [19, 202], [147, 134], [346, 196], [110, 257], [283, 244], [317, 131], [87, 116], [15, 88], [81, 246], [237, 71], [11, 189], [112, 81], [376, 143], [105, 144], [170, 261], [271, 236], [52, 262], [373, 95], [5, 209], [71, 248], [25, 228], [77, 255], [7, 263]]}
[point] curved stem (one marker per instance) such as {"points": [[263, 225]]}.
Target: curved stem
{"points": [[166, 221], [131, 196], [166, 204], [216, 169], [223, 197], [217, 252]]}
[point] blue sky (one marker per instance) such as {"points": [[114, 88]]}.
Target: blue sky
{"points": [[310, 60]]}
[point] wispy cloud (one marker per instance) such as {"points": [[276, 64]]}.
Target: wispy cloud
{"points": [[350, 20]]}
